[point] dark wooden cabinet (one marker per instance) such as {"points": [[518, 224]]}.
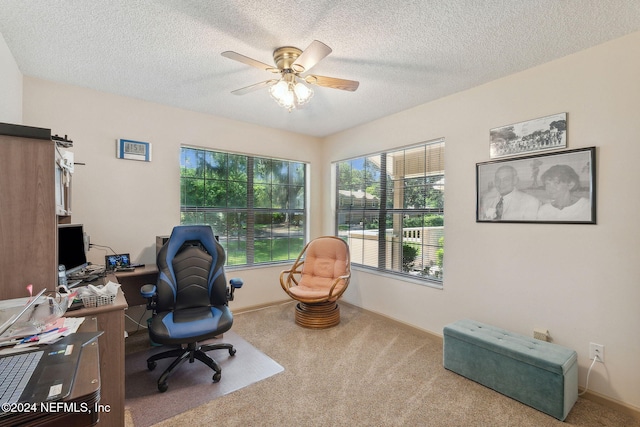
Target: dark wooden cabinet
{"points": [[28, 223]]}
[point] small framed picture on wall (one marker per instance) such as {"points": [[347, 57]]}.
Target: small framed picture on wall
{"points": [[541, 134], [133, 150]]}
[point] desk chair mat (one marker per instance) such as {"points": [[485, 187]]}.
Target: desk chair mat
{"points": [[192, 386]]}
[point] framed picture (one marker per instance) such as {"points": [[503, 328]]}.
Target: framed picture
{"points": [[558, 187], [133, 150], [545, 133]]}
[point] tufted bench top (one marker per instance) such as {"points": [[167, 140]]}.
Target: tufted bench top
{"points": [[544, 355]]}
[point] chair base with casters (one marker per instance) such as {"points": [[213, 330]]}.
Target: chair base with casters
{"points": [[319, 315], [192, 352]]}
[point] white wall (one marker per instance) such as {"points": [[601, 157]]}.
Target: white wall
{"points": [[124, 204], [578, 281], [581, 282], [10, 86]]}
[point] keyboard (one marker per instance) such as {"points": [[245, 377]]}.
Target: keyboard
{"points": [[15, 372], [76, 280], [73, 284]]}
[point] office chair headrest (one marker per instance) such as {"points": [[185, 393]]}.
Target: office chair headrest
{"points": [[189, 233], [192, 233]]}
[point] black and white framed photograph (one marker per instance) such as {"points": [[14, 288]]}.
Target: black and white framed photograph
{"points": [[558, 187], [544, 133]]}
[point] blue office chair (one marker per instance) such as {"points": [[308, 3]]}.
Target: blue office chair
{"points": [[190, 299]]}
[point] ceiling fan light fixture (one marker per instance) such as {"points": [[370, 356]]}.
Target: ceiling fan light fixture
{"points": [[288, 93], [283, 95], [291, 91], [279, 90], [303, 93]]}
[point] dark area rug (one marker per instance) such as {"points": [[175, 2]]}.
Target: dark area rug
{"points": [[191, 385]]}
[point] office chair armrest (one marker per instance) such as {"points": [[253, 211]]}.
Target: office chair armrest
{"points": [[235, 283], [148, 291]]}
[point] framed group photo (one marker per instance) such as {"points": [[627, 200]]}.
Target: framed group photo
{"points": [[555, 187], [541, 134]]}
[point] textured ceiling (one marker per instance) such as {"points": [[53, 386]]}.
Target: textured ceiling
{"points": [[403, 52]]}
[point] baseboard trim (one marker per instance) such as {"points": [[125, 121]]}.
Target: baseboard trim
{"points": [[261, 306], [397, 322], [611, 403]]}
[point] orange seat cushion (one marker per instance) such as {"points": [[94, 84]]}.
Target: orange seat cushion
{"points": [[326, 259]]}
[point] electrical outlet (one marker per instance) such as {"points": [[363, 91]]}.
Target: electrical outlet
{"points": [[596, 350], [541, 334]]}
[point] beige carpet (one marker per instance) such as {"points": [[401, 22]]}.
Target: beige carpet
{"points": [[367, 371]]}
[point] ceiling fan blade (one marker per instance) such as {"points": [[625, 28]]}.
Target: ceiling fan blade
{"points": [[332, 82], [315, 52], [256, 86], [246, 60]]}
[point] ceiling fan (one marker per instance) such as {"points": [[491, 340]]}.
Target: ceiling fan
{"points": [[291, 63]]}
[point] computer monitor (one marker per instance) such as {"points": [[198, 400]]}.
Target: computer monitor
{"points": [[71, 248]]}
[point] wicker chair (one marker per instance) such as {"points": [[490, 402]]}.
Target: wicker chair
{"points": [[317, 279]]}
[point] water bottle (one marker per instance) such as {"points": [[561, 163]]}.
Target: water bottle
{"points": [[62, 275]]}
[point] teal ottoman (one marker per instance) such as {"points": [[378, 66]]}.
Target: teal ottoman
{"points": [[537, 373]]}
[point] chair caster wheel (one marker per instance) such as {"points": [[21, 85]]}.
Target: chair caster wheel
{"points": [[232, 351], [216, 377], [151, 366], [162, 387]]}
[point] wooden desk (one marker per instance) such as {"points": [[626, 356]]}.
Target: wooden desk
{"points": [[110, 319], [132, 281], [83, 398]]}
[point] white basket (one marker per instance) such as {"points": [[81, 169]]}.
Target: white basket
{"points": [[96, 301]]}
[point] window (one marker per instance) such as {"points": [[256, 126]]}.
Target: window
{"points": [[257, 206], [390, 209]]}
